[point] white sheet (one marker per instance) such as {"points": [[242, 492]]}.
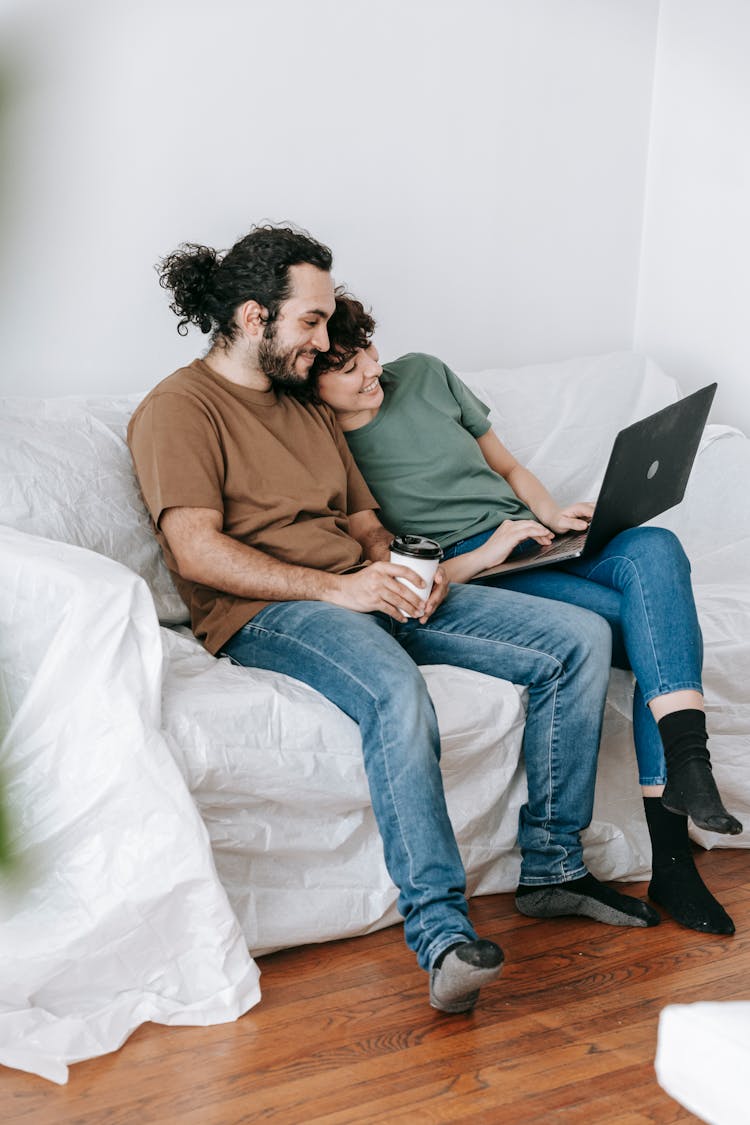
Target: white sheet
{"points": [[120, 916], [117, 915]]}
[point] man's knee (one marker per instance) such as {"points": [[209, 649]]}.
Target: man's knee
{"points": [[589, 635]]}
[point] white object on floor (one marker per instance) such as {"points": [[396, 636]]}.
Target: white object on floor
{"points": [[703, 1059]]}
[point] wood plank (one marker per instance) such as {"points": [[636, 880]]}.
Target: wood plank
{"points": [[344, 1034]]}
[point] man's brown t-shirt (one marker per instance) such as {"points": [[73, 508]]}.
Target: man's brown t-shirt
{"points": [[278, 470]]}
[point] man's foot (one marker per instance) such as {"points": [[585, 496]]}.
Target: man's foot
{"points": [[678, 888], [461, 971], [691, 790], [586, 897]]}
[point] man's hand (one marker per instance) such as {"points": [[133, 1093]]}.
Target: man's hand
{"points": [[438, 594], [376, 587], [204, 554]]}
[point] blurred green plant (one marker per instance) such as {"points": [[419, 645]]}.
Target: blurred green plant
{"points": [[6, 849], [6, 852]]}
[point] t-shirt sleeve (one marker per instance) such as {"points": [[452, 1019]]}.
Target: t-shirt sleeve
{"points": [[358, 495], [474, 413], [177, 455]]}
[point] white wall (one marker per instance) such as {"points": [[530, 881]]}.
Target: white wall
{"points": [[694, 300], [478, 169]]}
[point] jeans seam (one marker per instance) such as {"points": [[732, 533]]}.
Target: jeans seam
{"points": [[250, 627], [550, 756], [499, 644], [679, 685], [561, 665], [544, 881], [634, 572]]}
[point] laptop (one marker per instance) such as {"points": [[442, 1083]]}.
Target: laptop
{"points": [[647, 473]]}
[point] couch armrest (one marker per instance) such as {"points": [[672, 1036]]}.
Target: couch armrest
{"points": [[59, 603], [118, 916]]}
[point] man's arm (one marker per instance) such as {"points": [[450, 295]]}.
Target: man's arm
{"points": [[369, 532], [204, 554]]}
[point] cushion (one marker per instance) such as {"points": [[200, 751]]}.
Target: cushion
{"points": [[560, 419], [66, 474]]}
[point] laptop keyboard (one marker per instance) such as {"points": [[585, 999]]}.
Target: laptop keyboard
{"points": [[563, 546]]}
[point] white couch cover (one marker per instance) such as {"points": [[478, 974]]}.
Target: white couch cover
{"points": [[118, 729]]}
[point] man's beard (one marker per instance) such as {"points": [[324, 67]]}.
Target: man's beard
{"points": [[278, 366]]}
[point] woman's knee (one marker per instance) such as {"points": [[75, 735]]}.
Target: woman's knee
{"points": [[656, 547]]}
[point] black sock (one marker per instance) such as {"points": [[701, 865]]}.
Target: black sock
{"points": [[684, 737], [675, 883], [691, 788]]}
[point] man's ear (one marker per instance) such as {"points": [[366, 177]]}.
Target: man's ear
{"points": [[252, 318]]}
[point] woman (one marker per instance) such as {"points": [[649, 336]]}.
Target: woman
{"points": [[425, 446]]}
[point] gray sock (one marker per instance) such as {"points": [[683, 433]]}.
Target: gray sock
{"points": [[585, 897], [455, 985]]}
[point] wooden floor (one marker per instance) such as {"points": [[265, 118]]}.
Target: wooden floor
{"points": [[344, 1033]]}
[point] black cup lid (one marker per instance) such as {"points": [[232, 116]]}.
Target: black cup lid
{"points": [[418, 546]]}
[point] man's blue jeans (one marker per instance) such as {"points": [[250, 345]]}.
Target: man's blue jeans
{"points": [[367, 665], [640, 583]]}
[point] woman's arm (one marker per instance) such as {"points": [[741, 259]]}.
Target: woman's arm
{"points": [[497, 548], [530, 490]]}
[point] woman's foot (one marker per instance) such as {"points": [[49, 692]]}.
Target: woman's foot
{"points": [[676, 884], [691, 791], [679, 889]]}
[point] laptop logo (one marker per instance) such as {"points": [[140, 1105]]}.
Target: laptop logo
{"points": [[653, 470]]}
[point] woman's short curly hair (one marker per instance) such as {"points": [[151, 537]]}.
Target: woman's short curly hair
{"points": [[209, 285], [350, 329]]}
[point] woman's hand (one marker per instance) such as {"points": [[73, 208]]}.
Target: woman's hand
{"points": [[500, 544], [576, 517], [506, 538]]}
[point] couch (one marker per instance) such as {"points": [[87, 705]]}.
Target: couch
{"points": [[174, 815]]}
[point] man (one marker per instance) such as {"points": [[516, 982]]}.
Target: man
{"points": [[271, 535]]}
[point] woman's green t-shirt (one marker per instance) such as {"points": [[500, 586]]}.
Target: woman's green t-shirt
{"points": [[421, 459]]}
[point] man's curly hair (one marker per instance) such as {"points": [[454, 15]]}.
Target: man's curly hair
{"points": [[208, 285]]}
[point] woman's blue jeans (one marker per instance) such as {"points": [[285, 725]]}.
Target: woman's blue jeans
{"points": [[366, 663], [640, 583]]}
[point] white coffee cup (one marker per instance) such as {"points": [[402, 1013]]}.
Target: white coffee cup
{"points": [[419, 554]]}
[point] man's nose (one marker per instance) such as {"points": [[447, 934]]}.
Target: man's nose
{"points": [[320, 338]]}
